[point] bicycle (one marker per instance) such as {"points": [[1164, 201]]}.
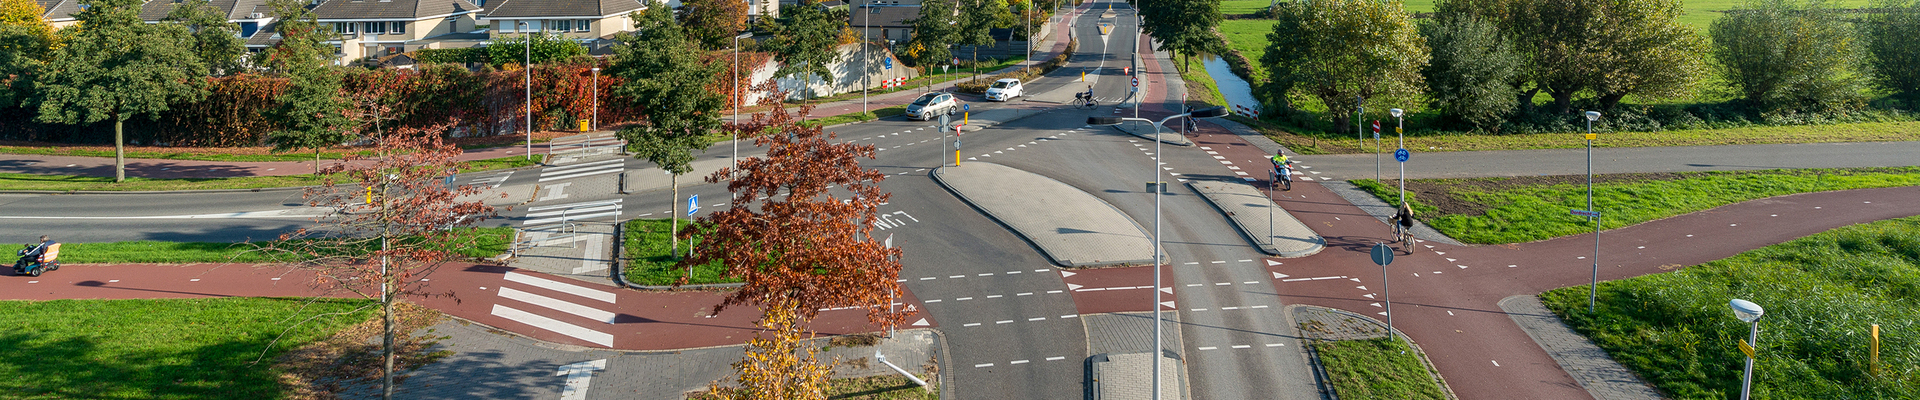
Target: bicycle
{"points": [[1404, 236], [1085, 101]]}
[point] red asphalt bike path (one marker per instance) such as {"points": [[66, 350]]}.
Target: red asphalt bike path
{"points": [[632, 320]]}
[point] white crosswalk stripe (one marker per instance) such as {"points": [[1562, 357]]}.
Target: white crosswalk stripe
{"points": [[491, 181], [557, 213], [549, 305], [582, 170]]}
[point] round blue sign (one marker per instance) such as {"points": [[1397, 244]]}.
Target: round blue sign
{"points": [[966, 107], [1402, 155]]}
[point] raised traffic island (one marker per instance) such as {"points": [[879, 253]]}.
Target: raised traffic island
{"points": [[1072, 227]]}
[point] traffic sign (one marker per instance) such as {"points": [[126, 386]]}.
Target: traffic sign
{"points": [[1590, 136], [1584, 213], [1382, 255], [887, 61], [956, 61], [966, 107], [693, 204], [1745, 348], [1126, 70], [1136, 82], [1402, 155]]}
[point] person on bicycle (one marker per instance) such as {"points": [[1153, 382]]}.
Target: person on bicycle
{"points": [[1404, 218]]}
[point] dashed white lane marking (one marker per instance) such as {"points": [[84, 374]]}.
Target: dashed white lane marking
{"points": [[1018, 362], [1496, 363], [117, 280], [1024, 294], [1245, 261], [193, 280], [983, 365], [1192, 284], [1036, 318], [963, 299], [929, 278], [994, 296], [1069, 316], [1276, 344], [972, 324], [956, 277], [1012, 272], [1003, 322], [1209, 348], [933, 301], [1241, 346], [1192, 263], [1218, 262], [1055, 358]]}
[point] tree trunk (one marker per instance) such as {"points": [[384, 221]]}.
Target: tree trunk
{"points": [[386, 312], [1608, 101], [316, 161], [119, 152], [1562, 101], [1526, 100]]}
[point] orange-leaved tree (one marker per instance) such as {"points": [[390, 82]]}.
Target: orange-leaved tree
{"points": [[395, 223]]}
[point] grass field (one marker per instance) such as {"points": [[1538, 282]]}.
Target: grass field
{"points": [[1525, 209], [883, 387], [1329, 143], [648, 243], [159, 349], [488, 242], [1821, 293], [1381, 368], [183, 154], [10, 181]]}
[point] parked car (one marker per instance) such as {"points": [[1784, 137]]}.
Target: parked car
{"points": [[1005, 89], [932, 105]]}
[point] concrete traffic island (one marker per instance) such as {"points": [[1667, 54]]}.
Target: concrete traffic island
{"points": [[1249, 208], [1073, 228]]}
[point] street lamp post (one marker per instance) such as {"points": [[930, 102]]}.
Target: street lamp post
{"points": [[1159, 186], [1750, 313], [866, 76], [1593, 285], [1399, 126], [736, 93], [526, 70], [596, 98]]}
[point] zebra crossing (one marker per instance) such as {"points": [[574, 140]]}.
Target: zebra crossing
{"points": [[558, 213], [491, 181], [556, 306], [602, 167]]}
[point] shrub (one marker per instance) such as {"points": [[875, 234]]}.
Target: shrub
{"points": [[1788, 55]]}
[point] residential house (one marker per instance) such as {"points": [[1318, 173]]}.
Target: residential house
{"points": [[369, 29], [883, 20], [592, 22], [59, 13], [252, 16]]}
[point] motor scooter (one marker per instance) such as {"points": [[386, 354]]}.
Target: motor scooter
{"points": [[34, 266]]}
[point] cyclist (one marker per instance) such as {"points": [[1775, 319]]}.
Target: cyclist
{"points": [[1404, 218]]}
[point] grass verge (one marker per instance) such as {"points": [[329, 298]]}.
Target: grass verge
{"points": [[161, 349], [10, 181], [487, 242], [857, 117], [1380, 368], [882, 387], [1821, 293], [182, 153], [648, 244], [1524, 209]]}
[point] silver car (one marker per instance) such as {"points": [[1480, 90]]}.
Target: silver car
{"points": [[932, 105]]}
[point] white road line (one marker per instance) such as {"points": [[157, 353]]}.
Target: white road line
{"points": [[1036, 319], [1242, 346], [963, 299], [560, 287], [1054, 291], [550, 324], [1275, 344], [1012, 272], [972, 324], [983, 365], [1198, 309], [1055, 358], [1209, 348], [1069, 316], [1246, 261], [1218, 262], [1018, 362], [1223, 283], [929, 278], [1249, 282], [1258, 307], [987, 274], [1040, 270], [1312, 279], [1003, 322], [1025, 294], [956, 277], [994, 296], [557, 305]]}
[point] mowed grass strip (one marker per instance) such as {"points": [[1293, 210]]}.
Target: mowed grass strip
{"points": [[10, 181], [1822, 294], [881, 387], [649, 245], [184, 153], [1525, 209], [160, 349], [486, 242], [1837, 133], [1381, 368]]}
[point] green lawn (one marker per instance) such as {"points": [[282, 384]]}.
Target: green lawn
{"points": [[1821, 293], [1835, 133], [9, 181], [1381, 368], [1231, 7], [185, 153], [488, 242], [159, 349], [882, 387], [648, 262], [1524, 209]]}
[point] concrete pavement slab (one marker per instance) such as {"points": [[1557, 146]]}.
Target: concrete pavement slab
{"points": [[1591, 366], [1269, 227], [1126, 342], [1071, 226]]}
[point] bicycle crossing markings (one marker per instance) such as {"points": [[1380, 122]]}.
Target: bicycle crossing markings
{"points": [[492, 181], [557, 305], [571, 212], [553, 325], [562, 287], [582, 170]]}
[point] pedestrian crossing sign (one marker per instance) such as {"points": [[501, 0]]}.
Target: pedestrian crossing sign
{"points": [[693, 204]]}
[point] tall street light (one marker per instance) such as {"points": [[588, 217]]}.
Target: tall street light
{"points": [[866, 76], [526, 70], [1159, 186], [1750, 313], [596, 98], [1593, 285], [736, 93], [1399, 128]]}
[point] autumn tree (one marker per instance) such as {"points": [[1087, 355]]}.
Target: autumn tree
{"points": [[313, 112], [216, 40], [116, 67], [26, 42], [396, 224], [778, 364], [1335, 50], [665, 74], [714, 22]]}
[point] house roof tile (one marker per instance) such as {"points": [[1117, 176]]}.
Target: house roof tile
{"points": [[395, 9], [562, 8]]}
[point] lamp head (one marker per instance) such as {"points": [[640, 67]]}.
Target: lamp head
{"points": [[1396, 112], [743, 35], [596, 69], [1103, 121], [1593, 115], [1746, 311], [1215, 112]]}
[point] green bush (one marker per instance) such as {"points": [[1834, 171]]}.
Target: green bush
{"points": [[1822, 293], [451, 56]]}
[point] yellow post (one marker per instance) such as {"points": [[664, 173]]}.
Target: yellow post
{"points": [[956, 157], [369, 195], [966, 117], [1873, 365], [1083, 76]]}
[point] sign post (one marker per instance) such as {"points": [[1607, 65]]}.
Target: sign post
{"points": [[1376, 150], [1383, 255]]}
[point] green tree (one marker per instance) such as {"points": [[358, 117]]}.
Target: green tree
{"points": [[665, 74], [714, 22], [1470, 76], [934, 32], [1894, 55], [215, 40], [26, 42], [313, 112], [1335, 50], [547, 47], [1789, 55], [1185, 27], [1608, 48], [977, 20], [806, 40], [117, 66]]}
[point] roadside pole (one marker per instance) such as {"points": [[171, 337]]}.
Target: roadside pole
{"points": [[1383, 255]]}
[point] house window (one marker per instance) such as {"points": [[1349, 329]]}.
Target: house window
{"points": [[532, 25], [885, 34], [344, 27], [563, 25], [453, 24], [398, 27], [581, 25], [374, 27]]}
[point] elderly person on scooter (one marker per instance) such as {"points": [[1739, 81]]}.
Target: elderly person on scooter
{"points": [[32, 252]]}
